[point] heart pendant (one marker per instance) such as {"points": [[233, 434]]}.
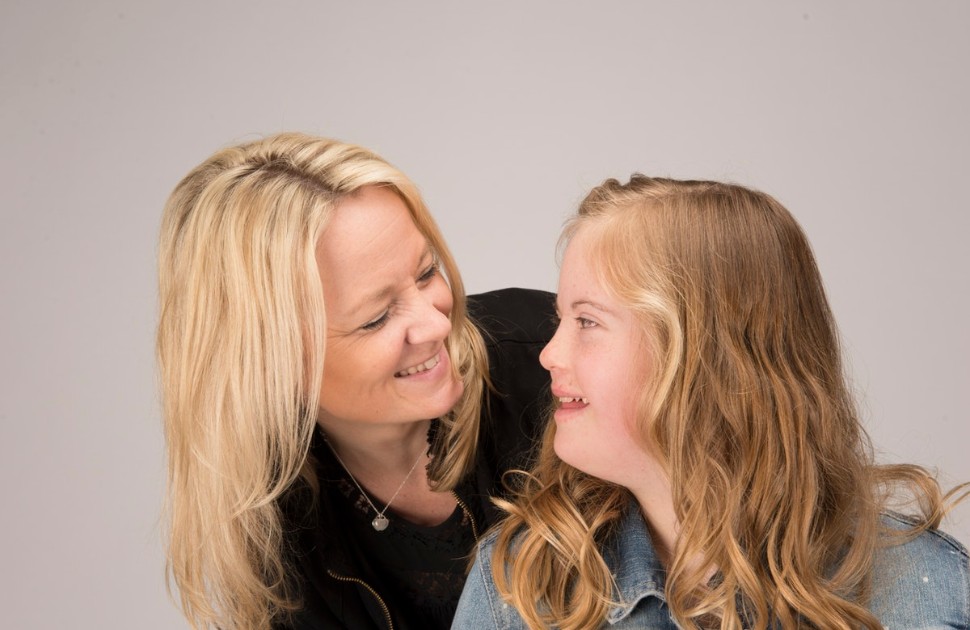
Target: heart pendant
{"points": [[380, 523]]}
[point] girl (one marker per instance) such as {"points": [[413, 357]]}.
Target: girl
{"points": [[706, 466]]}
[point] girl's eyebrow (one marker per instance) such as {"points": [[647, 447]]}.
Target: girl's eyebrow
{"points": [[591, 304], [584, 302]]}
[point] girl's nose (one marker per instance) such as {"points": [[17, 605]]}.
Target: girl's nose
{"points": [[550, 355]]}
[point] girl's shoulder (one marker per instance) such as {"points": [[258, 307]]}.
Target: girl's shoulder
{"points": [[480, 605], [921, 582]]}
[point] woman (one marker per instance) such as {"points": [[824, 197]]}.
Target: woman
{"points": [[706, 466], [336, 418]]}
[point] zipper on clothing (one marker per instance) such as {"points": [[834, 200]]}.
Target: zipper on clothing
{"points": [[387, 612], [465, 509], [380, 600]]}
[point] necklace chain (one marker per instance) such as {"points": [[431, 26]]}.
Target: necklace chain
{"points": [[380, 521]]}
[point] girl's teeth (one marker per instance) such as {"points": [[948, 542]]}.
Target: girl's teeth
{"points": [[566, 399]]}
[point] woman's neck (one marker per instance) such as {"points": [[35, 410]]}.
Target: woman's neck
{"points": [[377, 449], [389, 463]]}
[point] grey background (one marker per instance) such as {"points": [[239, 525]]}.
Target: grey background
{"points": [[853, 114]]}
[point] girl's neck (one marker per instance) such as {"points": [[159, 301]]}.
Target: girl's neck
{"points": [[655, 498]]}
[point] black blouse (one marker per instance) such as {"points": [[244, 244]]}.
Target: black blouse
{"points": [[409, 577], [419, 571]]}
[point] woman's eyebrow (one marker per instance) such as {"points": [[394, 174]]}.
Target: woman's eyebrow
{"points": [[428, 251], [382, 294], [371, 298]]}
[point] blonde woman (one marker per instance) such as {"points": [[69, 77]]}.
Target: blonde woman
{"points": [[336, 413], [705, 466]]}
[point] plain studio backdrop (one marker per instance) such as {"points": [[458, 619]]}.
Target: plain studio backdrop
{"points": [[853, 114]]}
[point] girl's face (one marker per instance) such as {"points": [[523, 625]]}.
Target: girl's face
{"points": [[387, 309], [598, 368]]}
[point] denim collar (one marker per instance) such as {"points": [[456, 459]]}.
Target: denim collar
{"points": [[632, 560]]}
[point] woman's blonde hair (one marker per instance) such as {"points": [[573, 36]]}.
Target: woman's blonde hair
{"points": [[241, 341], [773, 478]]}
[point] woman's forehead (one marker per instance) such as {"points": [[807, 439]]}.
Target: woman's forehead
{"points": [[370, 245]]}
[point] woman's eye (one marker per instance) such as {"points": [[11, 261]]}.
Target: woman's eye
{"points": [[585, 323], [378, 323], [429, 273]]}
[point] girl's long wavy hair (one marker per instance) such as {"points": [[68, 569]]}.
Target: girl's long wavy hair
{"points": [[773, 478], [241, 342]]}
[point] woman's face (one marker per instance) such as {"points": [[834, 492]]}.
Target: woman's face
{"points": [[598, 369], [387, 309]]}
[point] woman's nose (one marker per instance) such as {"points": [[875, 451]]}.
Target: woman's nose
{"points": [[431, 322]]}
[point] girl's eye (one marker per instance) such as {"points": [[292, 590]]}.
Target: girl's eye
{"points": [[585, 323], [378, 323]]}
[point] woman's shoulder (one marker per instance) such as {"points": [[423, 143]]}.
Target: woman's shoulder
{"points": [[514, 315], [516, 324], [920, 582]]}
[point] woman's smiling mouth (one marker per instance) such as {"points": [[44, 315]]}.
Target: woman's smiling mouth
{"points": [[421, 367]]}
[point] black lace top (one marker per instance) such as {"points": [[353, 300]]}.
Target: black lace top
{"points": [[421, 569], [346, 575]]}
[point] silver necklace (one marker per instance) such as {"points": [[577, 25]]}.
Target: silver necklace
{"points": [[380, 521]]}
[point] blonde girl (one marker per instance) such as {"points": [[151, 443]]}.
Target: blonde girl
{"points": [[705, 466]]}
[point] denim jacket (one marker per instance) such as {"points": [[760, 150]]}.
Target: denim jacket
{"points": [[924, 583]]}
